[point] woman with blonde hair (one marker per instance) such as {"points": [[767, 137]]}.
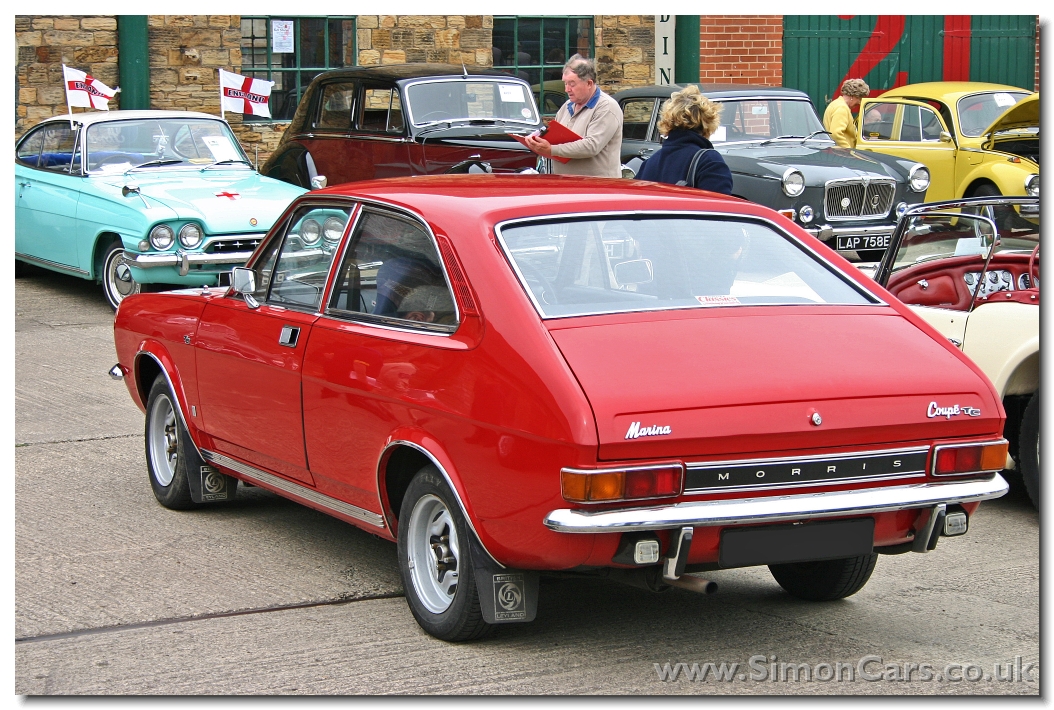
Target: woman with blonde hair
{"points": [[687, 157]]}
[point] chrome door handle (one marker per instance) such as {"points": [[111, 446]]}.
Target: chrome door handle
{"points": [[290, 334], [923, 284]]}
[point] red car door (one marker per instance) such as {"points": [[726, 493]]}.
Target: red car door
{"points": [[250, 359]]}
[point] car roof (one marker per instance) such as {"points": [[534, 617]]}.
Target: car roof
{"points": [[403, 72], [714, 91], [89, 117], [948, 89]]}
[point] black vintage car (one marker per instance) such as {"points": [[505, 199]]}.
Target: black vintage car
{"points": [[781, 157], [398, 120]]}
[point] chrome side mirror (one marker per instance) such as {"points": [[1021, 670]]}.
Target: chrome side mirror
{"points": [[946, 137], [243, 281], [318, 182]]}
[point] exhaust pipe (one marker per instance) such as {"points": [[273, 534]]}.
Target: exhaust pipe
{"points": [[693, 584]]}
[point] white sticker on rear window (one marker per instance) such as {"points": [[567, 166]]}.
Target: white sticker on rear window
{"points": [[759, 110], [718, 300], [525, 112], [1005, 99], [511, 93]]}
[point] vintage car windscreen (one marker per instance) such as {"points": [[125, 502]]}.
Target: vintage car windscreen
{"points": [[978, 111], [303, 258], [117, 146], [760, 119], [617, 264], [461, 100], [947, 234]]}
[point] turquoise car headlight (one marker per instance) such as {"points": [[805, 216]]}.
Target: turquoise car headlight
{"points": [[793, 182], [161, 237], [332, 229], [1032, 185], [190, 236], [310, 231], [919, 178]]}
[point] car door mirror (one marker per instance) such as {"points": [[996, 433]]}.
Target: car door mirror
{"points": [[946, 137], [318, 182], [243, 281], [637, 271]]}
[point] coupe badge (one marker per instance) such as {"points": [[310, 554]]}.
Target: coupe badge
{"points": [[952, 410], [636, 431]]}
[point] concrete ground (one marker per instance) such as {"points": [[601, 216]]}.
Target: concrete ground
{"points": [[117, 595]]}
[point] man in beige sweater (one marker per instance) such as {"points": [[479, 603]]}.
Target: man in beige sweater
{"points": [[592, 114]]}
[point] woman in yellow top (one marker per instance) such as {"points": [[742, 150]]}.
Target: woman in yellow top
{"points": [[838, 118]]}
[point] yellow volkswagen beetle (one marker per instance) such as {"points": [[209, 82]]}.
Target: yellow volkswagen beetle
{"points": [[976, 139]]}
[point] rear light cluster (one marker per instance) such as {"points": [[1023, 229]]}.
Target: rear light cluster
{"points": [[607, 485], [959, 459]]}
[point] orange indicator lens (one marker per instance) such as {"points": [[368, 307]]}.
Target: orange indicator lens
{"points": [[600, 486]]}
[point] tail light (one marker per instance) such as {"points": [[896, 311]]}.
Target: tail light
{"points": [[962, 459], [608, 485]]}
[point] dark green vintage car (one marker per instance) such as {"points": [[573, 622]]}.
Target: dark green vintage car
{"points": [[781, 157]]}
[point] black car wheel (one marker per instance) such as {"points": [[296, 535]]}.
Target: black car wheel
{"points": [[170, 454], [435, 560], [825, 580], [1028, 447], [117, 281]]}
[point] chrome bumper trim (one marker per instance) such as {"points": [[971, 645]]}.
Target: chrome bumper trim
{"points": [[280, 484], [771, 509], [183, 259]]}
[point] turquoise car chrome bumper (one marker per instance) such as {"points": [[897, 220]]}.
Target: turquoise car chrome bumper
{"points": [[183, 260]]}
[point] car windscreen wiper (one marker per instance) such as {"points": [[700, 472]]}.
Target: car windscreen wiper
{"points": [[226, 161], [779, 138], [815, 133], [154, 163]]}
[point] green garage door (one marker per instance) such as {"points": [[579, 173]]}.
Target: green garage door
{"points": [[820, 51]]}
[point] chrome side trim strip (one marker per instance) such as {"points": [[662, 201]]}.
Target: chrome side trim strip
{"points": [[272, 481], [772, 509], [446, 477], [54, 265]]}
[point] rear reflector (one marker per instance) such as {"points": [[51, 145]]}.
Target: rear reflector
{"points": [[600, 486], [959, 459]]}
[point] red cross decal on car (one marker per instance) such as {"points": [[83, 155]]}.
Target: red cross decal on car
{"points": [[232, 195]]}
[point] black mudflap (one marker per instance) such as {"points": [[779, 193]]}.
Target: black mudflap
{"points": [[505, 595], [207, 485]]}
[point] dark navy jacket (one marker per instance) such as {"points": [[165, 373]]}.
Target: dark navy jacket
{"points": [[670, 163]]}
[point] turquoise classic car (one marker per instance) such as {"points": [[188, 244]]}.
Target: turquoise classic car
{"points": [[140, 197]]}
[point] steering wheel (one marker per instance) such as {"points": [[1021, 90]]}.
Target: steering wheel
{"points": [[435, 116], [1031, 267], [539, 285]]}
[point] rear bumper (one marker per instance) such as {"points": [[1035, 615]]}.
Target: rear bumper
{"points": [[772, 509]]}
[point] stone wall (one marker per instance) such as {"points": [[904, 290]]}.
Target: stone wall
{"points": [[44, 43], [741, 49], [625, 46], [443, 39]]}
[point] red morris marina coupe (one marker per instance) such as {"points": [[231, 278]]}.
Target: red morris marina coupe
{"points": [[510, 375]]}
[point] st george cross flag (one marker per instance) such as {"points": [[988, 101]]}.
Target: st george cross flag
{"points": [[84, 90], [244, 94]]}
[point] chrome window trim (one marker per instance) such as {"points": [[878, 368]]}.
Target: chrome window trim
{"points": [[409, 110], [272, 481], [938, 449], [777, 508], [859, 181], [396, 324], [665, 212], [446, 476]]}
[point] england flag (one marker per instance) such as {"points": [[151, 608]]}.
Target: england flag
{"points": [[84, 90], [244, 94]]}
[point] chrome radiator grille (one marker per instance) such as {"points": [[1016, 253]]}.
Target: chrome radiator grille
{"points": [[855, 199], [224, 246]]}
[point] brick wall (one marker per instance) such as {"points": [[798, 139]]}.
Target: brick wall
{"points": [[44, 44], [741, 49]]}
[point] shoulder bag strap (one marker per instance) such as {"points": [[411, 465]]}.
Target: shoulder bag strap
{"points": [[689, 179]]}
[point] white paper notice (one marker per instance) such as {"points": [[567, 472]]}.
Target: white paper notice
{"points": [[511, 93], [282, 36], [759, 110], [718, 135], [1002, 99], [220, 148]]}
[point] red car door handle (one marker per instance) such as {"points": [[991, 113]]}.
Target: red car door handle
{"points": [[290, 334]]}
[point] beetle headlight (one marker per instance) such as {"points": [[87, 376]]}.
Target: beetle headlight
{"points": [[805, 214], [1032, 185], [310, 231], [793, 182], [190, 236], [161, 237], [332, 229], [919, 178]]}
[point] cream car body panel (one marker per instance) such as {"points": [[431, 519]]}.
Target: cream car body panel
{"points": [[1003, 339]]}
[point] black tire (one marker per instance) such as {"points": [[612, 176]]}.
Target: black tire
{"points": [[117, 281], [826, 580], [170, 454], [1028, 447], [986, 190], [430, 521]]}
